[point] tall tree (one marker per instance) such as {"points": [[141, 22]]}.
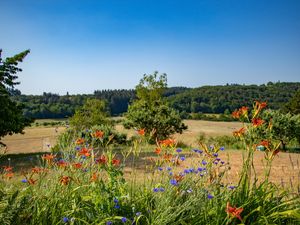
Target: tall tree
{"points": [[151, 111], [11, 115]]}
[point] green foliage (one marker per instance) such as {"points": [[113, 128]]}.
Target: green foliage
{"points": [[151, 112], [11, 115], [93, 112], [293, 106]]}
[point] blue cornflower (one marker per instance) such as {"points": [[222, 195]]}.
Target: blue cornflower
{"points": [[191, 170], [65, 219], [77, 148], [201, 174], [179, 150], [116, 200], [161, 189], [124, 219], [186, 171], [169, 168], [204, 162], [215, 154], [211, 147], [138, 214], [216, 162], [173, 182], [108, 223], [189, 190], [222, 148], [160, 168], [117, 206], [182, 158], [209, 196], [222, 162], [24, 181], [155, 189], [171, 173], [218, 159], [83, 157], [200, 169], [231, 187]]}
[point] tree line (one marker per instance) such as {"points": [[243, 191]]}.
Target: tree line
{"points": [[206, 99]]}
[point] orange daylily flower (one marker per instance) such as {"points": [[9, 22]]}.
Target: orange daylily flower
{"points": [[275, 152], [141, 132], [65, 180], [36, 170], [157, 151], [168, 142], [62, 163], [167, 157], [9, 175], [260, 105], [48, 157], [77, 165], [236, 114], [94, 177], [102, 159], [239, 132], [98, 134], [257, 122], [31, 181], [84, 152], [178, 178], [80, 141], [265, 143], [116, 162], [233, 211], [7, 168]]}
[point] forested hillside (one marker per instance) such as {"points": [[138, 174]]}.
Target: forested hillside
{"points": [[206, 99]]}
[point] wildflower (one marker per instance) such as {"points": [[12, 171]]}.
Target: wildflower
{"points": [[265, 143], [169, 168], [209, 196], [200, 169], [62, 163], [275, 152], [233, 211], [179, 150], [157, 151], [116, 162], [117, 206], [155, 190], [161, 189], [48, 157], [231, 187], [204, 162], [65, 219], [179, 177], [98, 134], [187, 171], [24, 181], [138, 214], [198, 151], [168, 142], [182, 158], [222, 148], [77, 148], [79, 141], [222, 162], [236, 114], [173, 182], [215, 154], [189, 190], [108, 223], [116, 200], [77, 165], [167, 157], [9, 175], [239, 132], [94, 177], [141, 132], [7, 168], [102, 159], [36, 170], [65, 180], [84, 152], [257, 122], [160, 168], [124, 219]]}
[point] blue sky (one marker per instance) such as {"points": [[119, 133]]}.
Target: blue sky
{"points": [[81, 46]]}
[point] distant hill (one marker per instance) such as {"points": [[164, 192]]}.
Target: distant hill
{"points": [[206, 99]]}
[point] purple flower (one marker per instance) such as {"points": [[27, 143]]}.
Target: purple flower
{"points": [[77, 148], [222, 162], [209, 196], [215, 154], [178, 150], [124, 219], [222, 148], [117, 206], [161, 189], [24, 181], [216, 162], [189, 190], [204, 162], [231, 187], [108, 223], [173, 182], [155, 190], [169, 168], [186, 171], [171, 173], [65, 219], [182, 158], [200, 169], [160, 168], [138, 214], [116, 200], [218, 159]]}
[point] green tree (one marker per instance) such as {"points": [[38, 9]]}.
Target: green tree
{"points": [[93, 112], [151, 112], [293, 106], [11, 115]]}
